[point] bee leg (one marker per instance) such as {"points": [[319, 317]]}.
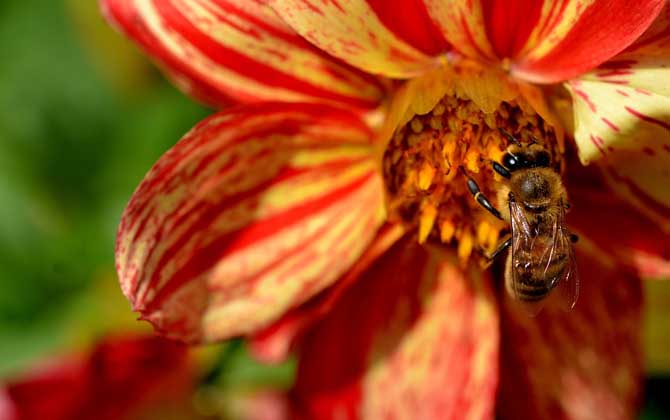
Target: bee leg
{"points": [[501, 248], [480, 197], [501, 169]]}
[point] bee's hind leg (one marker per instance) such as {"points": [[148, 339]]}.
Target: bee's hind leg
{"points": [[479, 196]]}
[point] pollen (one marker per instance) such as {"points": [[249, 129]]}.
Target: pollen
{"points": [[424, 166]]}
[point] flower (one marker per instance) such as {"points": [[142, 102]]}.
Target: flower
{"points": [[123, 377], [295, 217]]}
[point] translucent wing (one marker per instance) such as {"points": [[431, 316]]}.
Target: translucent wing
{"points": [[567, 280], [542, 258], [521, 262]]}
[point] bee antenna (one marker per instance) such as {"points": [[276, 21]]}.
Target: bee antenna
{"points": [[509, 137]]}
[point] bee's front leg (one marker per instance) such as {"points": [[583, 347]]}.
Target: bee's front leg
{"points": [[479, 196]]}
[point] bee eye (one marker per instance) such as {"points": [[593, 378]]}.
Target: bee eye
{"points": [[510, 162]]}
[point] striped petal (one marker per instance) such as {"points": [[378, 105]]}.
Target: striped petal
{"points": [[415, 337], [223, 51], [622, 120], [586, 363], [274, 343], [574, 36], [546, 41], [463, 25], [253, 212], [376, 36]]}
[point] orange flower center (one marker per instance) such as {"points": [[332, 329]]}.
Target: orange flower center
{"points": [[426, 162]]}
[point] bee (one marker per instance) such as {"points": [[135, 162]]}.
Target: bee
{"points": [[533, 201]]}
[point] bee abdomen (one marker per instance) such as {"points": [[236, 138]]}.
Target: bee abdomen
{"points": [[531, 289], [531, 281]]}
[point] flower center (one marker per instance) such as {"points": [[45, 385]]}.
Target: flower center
{"points": [[426, 162]]}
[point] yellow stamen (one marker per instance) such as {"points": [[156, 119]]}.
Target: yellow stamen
{"points": [[422, 169], [426, 221], [417, 125], [465, 245], [472, 160], [436, 123], [483, 230], [494, 234], [447, 230], [426, 176]]}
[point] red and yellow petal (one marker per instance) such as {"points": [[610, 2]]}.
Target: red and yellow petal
{"points": [[577, 364], [463, 24], [622, 121], [253, 212], [415, 337], [224, 51], [274, 343], [544, 41], [368, 34], [574, 36]]}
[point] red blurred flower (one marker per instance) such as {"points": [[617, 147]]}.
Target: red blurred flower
{"points": [[123, 378], [275, 219]]}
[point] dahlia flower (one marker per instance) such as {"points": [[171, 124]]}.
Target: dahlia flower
{"points": [[327, 212]]}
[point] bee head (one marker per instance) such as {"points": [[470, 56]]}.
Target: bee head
{"points": [[524, 157]]}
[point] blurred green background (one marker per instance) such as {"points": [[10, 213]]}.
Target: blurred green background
{"points": [[83, 116]]}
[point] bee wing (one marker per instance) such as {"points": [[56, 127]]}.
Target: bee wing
{"points": [[567, 282], [544, 252], [522, 251]]}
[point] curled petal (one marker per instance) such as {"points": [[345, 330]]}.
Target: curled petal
{"points": [[577, 364], [365, 33], [545, 41], [622, 120], [415, 337], [253, 212], [237, 50]]}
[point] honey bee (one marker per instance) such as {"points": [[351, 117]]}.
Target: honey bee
{"points": [[533, 202]]}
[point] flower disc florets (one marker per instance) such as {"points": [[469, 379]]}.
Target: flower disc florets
{"points": [[426, 161]]}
